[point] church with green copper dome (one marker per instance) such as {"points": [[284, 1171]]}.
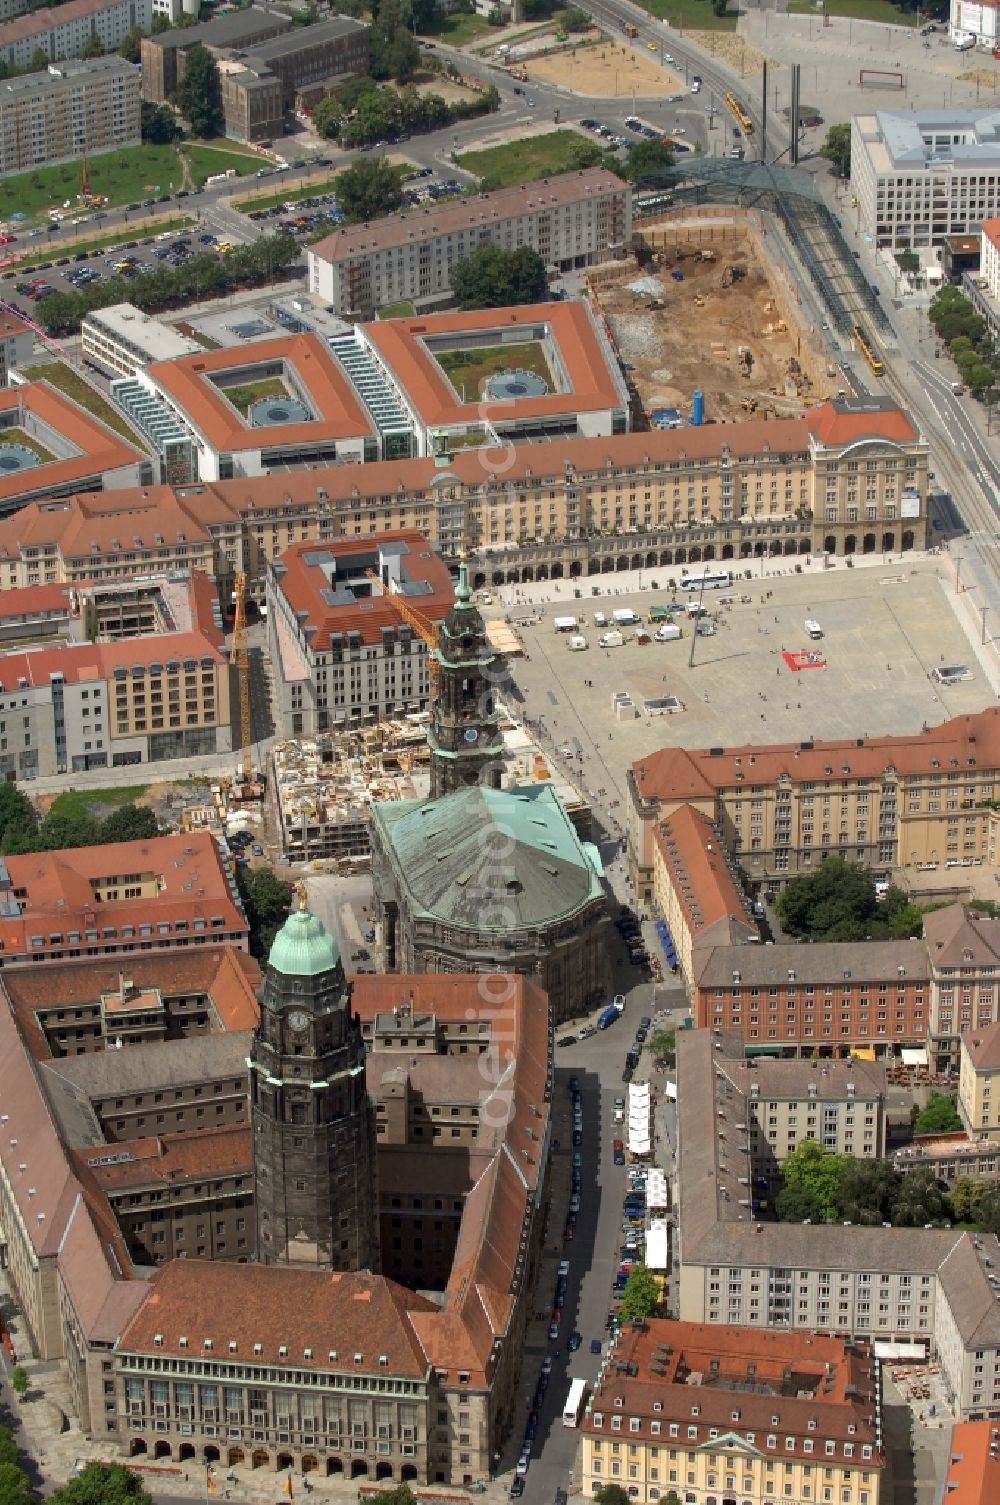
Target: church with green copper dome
{"points": [[312, 1119]]}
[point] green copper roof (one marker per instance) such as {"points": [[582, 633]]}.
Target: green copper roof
{"points": [[463, 595], [303, 947], [536, 870]]}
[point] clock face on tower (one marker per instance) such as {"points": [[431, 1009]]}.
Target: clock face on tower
{"points": [[298, 1020], [472, 734]]}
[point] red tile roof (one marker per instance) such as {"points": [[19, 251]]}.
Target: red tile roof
{"points": [[188, 382], [402, 345], [991, 229], [41, 21], [695, 861], [78, 663], [101, 449], [170, 1159], [35, 600], [297, 1317], [834, 427], [11, 325], [972, 1474], [60, 898], [679, 774], [303, 583]]}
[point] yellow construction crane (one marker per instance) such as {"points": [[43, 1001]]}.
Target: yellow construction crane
{"points": [[424, 630], [242, 663]]}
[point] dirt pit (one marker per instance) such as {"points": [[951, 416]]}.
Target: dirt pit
{"points": [[605, 71], [697, 334]]}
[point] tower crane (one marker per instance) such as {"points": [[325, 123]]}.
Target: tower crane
{"points": [[242, 662], [424, 630]]}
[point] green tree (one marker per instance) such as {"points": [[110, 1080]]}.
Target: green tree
{"points": [[967, 1199], [611, 1494], [39, 61], [424, 14], [641, 1296], [14, 1486], [937, 1116], [18, 821], [988, 1209], [867, 1191], [919, 1200], [836, 902], [9, 1450], [267, 901], [130, 46], [354, 91], [68, 828], [663, 1046], [493, 277], [130, 823], [93, 46], [328, 116], [158, 124], [837, 148], [102, 1484], [402, 55], [573, 18], [19, 1380], [818, 1170], [199, 93], [401, 1495], [797, 1204], [649, 164], [368, 189]]}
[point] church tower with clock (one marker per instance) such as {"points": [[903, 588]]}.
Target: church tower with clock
{"points": [[464, 735], [312, 1119]]}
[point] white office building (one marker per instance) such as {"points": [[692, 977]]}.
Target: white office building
{"points": [[122, 340], [919, 177]]}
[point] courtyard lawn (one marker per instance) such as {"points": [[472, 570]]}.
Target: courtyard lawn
{"points": [[205, 160], [244, 395], [97, 802], [522, 161], [120, 176], [404, 309], [467, 369], [692, 15], [15, 435], [72, 383]]}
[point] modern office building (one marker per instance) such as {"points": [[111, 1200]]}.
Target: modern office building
{"points": [[344, 651], [63, 31], [121, 340], [70, 448], [924, 175], [574, 220], [731, 1413], [84, 105]]}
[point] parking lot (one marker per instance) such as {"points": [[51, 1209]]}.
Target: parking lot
{"points": [[884, 632], [129, 259]]}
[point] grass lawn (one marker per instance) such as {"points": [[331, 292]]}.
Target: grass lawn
{"points": [[404, 309], [693, 15], [60, 247], [121, 176], [468, 368], [862, 10], [522, 161], [288, 195], [96, 802], [206, 160], [243, 395], [70, 382], [15, 435], [456, 30]]}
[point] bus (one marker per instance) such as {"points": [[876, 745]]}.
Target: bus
{"points": [[864, 344], [573, 1409], [711, 580]]}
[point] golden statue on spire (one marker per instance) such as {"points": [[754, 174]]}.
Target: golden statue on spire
{"points": [[302, 895]]}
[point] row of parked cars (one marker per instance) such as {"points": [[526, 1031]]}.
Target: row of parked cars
{"points": [[633, 1226], [628, 926]]}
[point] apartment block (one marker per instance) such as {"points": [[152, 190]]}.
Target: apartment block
{"points": [[963, 950], [121, 340], [134, 896], [705, 1411], [574, 220], [82, 105], [933, 1286], [924, 175], [577, 491], [347, 647], [979, 1074], [780, 808], [17, 340], [697, 888], [63, 31]]}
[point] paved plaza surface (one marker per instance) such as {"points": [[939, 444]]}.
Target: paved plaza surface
{"points": [[885, 629]]}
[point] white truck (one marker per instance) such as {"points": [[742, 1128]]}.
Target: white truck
{"points": [[668, 633], [963, 40], [610, 640], [566, 624], [624, 616], [600, 620]]}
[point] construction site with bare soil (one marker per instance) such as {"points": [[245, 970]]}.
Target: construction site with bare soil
{"points": [[698, 308]]}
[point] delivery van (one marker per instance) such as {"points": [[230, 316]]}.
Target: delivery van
{"points": [[813, 629], [610, 640]]}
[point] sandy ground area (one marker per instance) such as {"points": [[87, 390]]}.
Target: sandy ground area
{"points": [[986, 78], [733, 49], [686, 344], [607, 71], [438, 83]]}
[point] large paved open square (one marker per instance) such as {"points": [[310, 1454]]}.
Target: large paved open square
{"points": [[884, 632]]}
